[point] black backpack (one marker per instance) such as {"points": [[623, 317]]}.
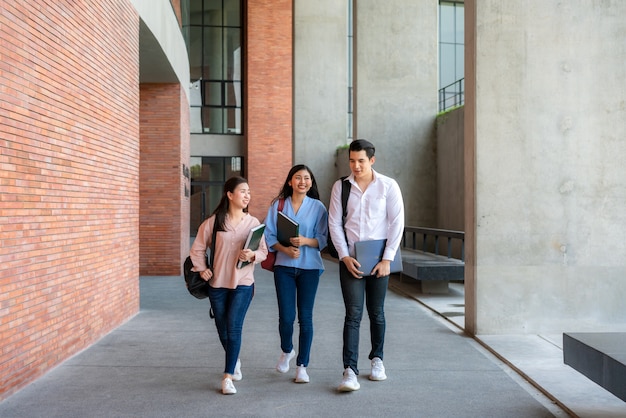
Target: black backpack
{"points": [[196, 285]]}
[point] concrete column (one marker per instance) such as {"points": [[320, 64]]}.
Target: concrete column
{"points": [[546, 105], [396, 96], [321, 86]]}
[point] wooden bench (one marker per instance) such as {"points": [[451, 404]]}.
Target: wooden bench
{"points": [[421, 258]]}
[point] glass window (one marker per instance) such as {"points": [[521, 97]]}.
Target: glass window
{"points": [[195, 12], [212, 120], [447, 70], [233, 93], [212, 50], [459, 24], [232, 13], [451, 42], [446, 23], [213, 93], [232, 51], [212, 13], [195, 119], [460, 61], [214, 40], [194, 49], [451, 53]]}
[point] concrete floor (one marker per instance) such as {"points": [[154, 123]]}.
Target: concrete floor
{"points": [[167, 362], [538, 359]]}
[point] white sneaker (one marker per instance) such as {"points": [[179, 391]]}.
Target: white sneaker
{"points": [[237, 374], [283, 361], [227, 387], [378, 370], [349, 382], [301, 375]]}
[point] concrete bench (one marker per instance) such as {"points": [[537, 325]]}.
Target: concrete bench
{"points": [[421, 258], [601, 356]]}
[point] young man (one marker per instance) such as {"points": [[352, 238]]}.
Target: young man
{"points": [[375, 210]]}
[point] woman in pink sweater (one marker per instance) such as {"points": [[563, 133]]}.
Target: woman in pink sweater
{"points": [[231, 289]]}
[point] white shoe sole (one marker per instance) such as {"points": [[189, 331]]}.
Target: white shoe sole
{"points": [[347, 388]]}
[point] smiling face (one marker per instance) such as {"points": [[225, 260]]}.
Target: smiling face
{"points": [[301, 182], [240, 197], [361, 165]]}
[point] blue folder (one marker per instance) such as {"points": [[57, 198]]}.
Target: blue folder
{"points": [[369, 253]]}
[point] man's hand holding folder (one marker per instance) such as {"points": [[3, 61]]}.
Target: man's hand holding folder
{"points": [[369, 254]]}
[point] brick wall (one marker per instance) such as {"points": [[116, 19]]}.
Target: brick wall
{"points": [[176, 7], [269, 115], [69, 173], [164, 179]]}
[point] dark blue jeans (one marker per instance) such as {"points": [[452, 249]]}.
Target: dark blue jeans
{"points": [[371, 291], [296, 287], [230, 307]]}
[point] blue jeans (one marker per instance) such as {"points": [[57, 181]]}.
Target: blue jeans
{"points": [[371, 291], [230, 307], [296, 287]]}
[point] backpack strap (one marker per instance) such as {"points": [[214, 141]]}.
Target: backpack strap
{"points": [[281, 204], [345, 194], [214, 236]]}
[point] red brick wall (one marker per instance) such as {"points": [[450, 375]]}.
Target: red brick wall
{"points": [[269, 123], [185, 180], [176, 7], [69, 174], [164, 183]]}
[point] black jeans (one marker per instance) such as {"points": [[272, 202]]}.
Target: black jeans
{"points": [[371, 291]]}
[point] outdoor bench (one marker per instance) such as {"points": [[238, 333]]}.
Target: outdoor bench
{"points": [[600, 356], [422, 260]]}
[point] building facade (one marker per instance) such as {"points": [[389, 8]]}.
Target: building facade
{"points": [[97, 150]]}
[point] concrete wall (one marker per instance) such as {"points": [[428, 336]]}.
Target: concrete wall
{"points": [[396, 96], [320, 88], [163, 53], [545, 114], [450, 170], [395, 87]]}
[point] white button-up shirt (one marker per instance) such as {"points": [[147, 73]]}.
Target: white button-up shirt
{"points": [[377, 213]]}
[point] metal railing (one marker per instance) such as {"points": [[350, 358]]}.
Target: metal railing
{"points": [[409, 240], [452, 95]]}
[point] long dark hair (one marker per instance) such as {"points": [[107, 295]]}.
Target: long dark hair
{"points": [[222, 208], [287, 190]]}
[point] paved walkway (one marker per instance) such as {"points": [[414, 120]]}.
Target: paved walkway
{"points": [[167, 362]]}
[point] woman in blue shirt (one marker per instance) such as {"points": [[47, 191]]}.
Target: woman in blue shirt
{"points": [[299, 265]]}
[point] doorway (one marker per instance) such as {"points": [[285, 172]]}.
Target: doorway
{"points": [[208, 175]]}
